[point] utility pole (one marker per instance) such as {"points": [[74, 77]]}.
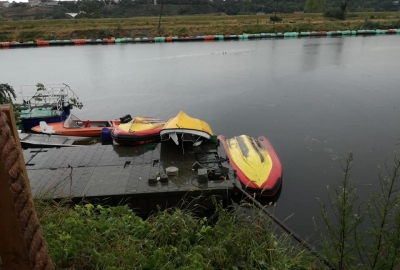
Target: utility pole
{"points": [[159, 20]]}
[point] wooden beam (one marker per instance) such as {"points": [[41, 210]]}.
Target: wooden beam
{"points": [[8, 110], [14, 254]]}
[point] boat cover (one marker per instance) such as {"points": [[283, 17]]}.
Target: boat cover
{"points": [[141, 123], [183, 121]]}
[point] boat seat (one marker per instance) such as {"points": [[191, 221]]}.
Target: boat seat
{"points": [[46, 128]]}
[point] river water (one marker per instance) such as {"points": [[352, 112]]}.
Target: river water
{"points": [[315, 99]]}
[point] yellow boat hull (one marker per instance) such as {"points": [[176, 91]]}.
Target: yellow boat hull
{"points": [[256, 163]]}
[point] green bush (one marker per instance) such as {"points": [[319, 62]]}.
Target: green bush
{"points": [[275, 19], [335, 13], [394, 25], [368, 24], [31, 35]]}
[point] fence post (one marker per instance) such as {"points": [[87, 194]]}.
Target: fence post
{"points": [[13, 252]]}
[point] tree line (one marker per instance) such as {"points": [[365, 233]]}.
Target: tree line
{"points": [[129, 8]]}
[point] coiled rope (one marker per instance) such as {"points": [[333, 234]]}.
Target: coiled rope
{"points": [[30, 228]]}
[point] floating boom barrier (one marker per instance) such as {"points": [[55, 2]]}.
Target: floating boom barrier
{"points": [[40, 43]]}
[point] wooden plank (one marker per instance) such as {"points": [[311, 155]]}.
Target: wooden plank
{"points": [[14, 254]]}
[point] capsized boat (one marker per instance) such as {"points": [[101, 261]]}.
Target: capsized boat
{"points": [[185, 128], [73, 126], [257, 165], [140, 130]]}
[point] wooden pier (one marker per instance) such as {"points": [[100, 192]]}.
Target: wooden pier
{"points": [[132, 175]]}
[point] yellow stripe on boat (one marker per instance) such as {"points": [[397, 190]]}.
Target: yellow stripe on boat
{"points": [[182, 120], [252, 159], [141, 123]]}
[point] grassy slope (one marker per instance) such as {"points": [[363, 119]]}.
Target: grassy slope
{"points": [[25, 30], [89, 237]]}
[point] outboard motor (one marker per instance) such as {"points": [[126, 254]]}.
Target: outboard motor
{"points": [[125, 119]]}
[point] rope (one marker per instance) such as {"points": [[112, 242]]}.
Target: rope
{"points": [[285, 228], [30, 228]]}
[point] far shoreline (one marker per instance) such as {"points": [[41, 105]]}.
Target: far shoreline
{"points": [[190, 26], [113, 40]]}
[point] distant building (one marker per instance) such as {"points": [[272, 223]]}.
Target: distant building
{"points": [[4, 4], [49, 4], [73, 15], [33, 3]]}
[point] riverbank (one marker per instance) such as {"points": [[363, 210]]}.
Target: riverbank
{"points": [[169, 239], [24, 31]]}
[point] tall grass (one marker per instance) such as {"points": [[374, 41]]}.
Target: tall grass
{"points": [[98, 237]]}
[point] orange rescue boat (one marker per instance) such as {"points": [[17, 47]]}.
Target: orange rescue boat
{"points": [[73, 126]]}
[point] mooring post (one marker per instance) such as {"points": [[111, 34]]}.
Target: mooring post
{"points": [[8, 110], [22, 246], [13, 252]]}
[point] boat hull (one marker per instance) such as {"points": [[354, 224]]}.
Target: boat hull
{"points": [[256, 163], [121, 137], [188, 128], [29, 123], [32, 117], [90, 128]]}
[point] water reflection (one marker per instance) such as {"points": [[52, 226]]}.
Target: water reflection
{"points": [[310, 55]]}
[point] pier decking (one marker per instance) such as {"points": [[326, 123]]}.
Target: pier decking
{"points": [[131, 175]]}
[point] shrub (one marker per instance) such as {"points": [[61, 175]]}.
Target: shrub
{"points": [[275, 19], [335, 13], [368, 24]]}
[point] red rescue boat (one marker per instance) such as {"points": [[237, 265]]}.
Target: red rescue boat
{"points": [[137, 131], [257, 165]]}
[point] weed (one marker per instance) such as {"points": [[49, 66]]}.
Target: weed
{"points": [[344, 224], [98, 237], [379, 246]]}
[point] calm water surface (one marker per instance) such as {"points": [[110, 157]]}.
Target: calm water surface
{"points": [[314, 99]]}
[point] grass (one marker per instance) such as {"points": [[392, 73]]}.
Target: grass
{"points": [[25, 30], [98, 237]]}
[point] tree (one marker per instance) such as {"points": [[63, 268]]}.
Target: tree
{"points": [[7, 93], [314, 6], [343, 5], [90, 8]]}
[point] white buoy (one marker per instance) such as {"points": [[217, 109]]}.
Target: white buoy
{"points": [[172, 170]]}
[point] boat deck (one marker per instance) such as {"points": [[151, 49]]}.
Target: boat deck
{"points": [[133, 175]]}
